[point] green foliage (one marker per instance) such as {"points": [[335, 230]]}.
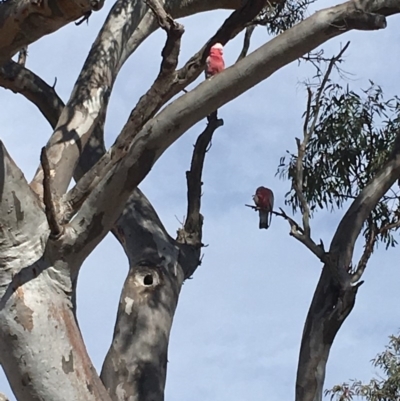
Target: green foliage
{"points": [[283, 15], [351, 137], [380, 389]]}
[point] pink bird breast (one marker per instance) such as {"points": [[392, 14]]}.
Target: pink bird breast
{"points": [[215, 61], [264, 198]]}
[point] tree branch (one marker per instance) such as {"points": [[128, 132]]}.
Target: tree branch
{"points": [[116, 41], [23, 22], [246, 42], [301, 235], [335, 295], [159, 133], [352, 222], [50, 207], [191, 232], [159, 93], [19, 79], [308, 130], [369, 248], [298, 233]]}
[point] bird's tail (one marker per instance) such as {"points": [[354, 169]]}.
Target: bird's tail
{"points": [[263, 219]]}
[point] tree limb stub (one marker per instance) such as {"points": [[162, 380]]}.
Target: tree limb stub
{"points": [[24, 21]]}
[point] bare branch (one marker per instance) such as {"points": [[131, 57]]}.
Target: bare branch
{"points": [[50, 208], [191, 232], [246, 42], [24, 22], [19, 79], [297, 232], [369, 248]]}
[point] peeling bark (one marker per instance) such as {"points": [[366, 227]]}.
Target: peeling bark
{"points": [[41, 349]]}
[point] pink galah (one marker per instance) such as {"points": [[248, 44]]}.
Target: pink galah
{"points": [[215, 61], [264, 200]]}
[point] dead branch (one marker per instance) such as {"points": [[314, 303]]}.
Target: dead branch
{"points": [[246, 42], [191, 233], [297, 232], [51, 213]]}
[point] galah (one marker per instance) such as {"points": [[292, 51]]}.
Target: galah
{"points": [[264, 200], [215, 61]]}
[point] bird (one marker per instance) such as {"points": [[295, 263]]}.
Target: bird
{"points": [[264, 200], [214, 65], [215, 60]]}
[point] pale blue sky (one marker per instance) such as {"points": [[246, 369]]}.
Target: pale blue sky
{"points": [[239, 322]]}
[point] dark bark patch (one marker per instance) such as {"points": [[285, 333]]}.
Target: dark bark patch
{"points": [[140, 169], [68, 365], [25, 379], [19, 214], [89, 388]]}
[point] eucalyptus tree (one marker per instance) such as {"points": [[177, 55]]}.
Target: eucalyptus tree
{"points": [[48, 230]]}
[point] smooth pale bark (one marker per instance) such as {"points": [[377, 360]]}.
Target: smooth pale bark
{"points": [[127, 25], [41, 349], [24, 21], [136, 361]]}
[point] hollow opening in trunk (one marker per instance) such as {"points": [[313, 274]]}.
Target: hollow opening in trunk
{"points": [[148, 279]]}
